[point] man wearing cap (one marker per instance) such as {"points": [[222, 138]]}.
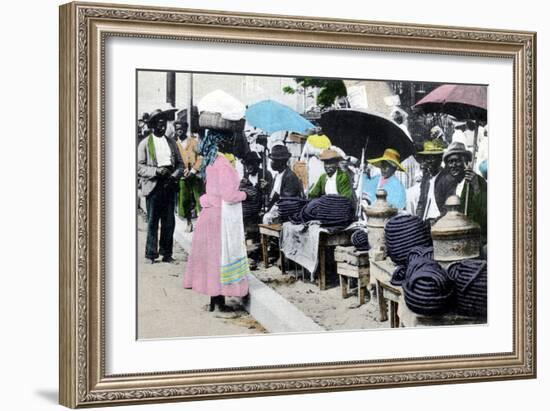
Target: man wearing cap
{"points": [[190, 185], [334, 180], [461, 180], [159, 169], [388, 164], [420, 197], [285, 182]]}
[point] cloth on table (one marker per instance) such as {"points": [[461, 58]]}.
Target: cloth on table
{"points": [[290, 206], [399, 275], [427, 289], [330, 210], [360, 240], [402, 233], [300, 243], [470, 278]]}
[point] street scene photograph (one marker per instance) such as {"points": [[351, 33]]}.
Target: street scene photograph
{"points": [[271, 204]]}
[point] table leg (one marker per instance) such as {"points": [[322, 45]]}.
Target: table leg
{"points": [[282, 260], [394, 319], [322, 268], [263, 240], [362, 291], [382, 304], [344, 285]]}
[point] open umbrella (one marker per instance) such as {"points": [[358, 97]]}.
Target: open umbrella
{"points": [[272, 116], [465, 102], [355, 130]]}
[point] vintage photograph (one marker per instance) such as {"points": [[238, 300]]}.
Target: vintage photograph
{"points": [[300, 204]]}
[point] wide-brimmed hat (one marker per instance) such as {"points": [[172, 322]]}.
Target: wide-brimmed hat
{"points": [[456, 147], [158, 114], [390, 155], [432, 148], [328, 155], [279, 152]]}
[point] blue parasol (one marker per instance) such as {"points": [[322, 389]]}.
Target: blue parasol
{"points": [[271, 116]]}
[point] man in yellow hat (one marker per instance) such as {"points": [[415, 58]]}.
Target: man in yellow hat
{"points": [[389, 163], [334, 180], [421, 196]]}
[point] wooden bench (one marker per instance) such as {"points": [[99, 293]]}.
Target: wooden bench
{"points": [[351, 263], [362, 274], [387, 294]]}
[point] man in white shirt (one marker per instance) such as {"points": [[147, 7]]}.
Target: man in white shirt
{"points": [[159, 169], [421, 196]]}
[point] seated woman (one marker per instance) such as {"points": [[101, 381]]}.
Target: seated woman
{"points": [[334, 180], [388, 164]]}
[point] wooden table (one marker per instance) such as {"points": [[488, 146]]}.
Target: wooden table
{"points": [[271, 230], [327, 242], [382, 271]]}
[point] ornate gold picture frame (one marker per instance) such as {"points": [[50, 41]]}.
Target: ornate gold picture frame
{"points": [[85, 28]]}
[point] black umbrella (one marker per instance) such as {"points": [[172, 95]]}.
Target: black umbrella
{"points": [[351, 130]]}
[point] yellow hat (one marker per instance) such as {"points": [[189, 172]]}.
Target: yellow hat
{"points": [[432, 147], [319, 141], [391, 156]]}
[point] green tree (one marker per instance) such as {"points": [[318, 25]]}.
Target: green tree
{"points": [[329, 90]]}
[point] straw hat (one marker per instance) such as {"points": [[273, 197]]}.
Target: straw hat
{"points": [[391, 156], [456, 147], [432, 148], [328, 154]]}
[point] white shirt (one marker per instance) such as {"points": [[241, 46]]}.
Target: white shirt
{"points": [[330, 185], [413, 197], [162, 151], [277, 183]]}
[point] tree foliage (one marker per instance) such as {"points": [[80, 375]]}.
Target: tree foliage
{"points": [[329, 90]]}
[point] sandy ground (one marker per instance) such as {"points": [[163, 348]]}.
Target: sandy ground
{"points": [[327, 308], [166, 309]]}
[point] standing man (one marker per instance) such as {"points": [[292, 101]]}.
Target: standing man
{"points": [[461, 180], [159, 168], [421, 196], [190, 185]]}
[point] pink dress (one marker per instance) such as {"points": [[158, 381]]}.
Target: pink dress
{"points": [[204, 264]]}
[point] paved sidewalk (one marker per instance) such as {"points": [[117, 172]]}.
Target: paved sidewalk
{"points": [[167, 310]]}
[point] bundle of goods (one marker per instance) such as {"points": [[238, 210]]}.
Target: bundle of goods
{"points": [[290, 206], [470, 278], [333, 212], [360, 240], [215, 121], [400, 273], [427, 289], [402, 234]]}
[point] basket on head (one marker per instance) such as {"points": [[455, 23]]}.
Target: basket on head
{"points": [[215, 121]]}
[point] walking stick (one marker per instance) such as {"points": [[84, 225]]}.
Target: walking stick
{"points": [[473, 162]]}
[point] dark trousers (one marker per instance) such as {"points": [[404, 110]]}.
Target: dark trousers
{"points": [[160, 208]]}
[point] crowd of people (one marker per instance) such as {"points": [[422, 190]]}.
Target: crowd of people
{"points": [[230, 190]]}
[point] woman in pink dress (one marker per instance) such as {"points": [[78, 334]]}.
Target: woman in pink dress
{"points": [[218, 264]]}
